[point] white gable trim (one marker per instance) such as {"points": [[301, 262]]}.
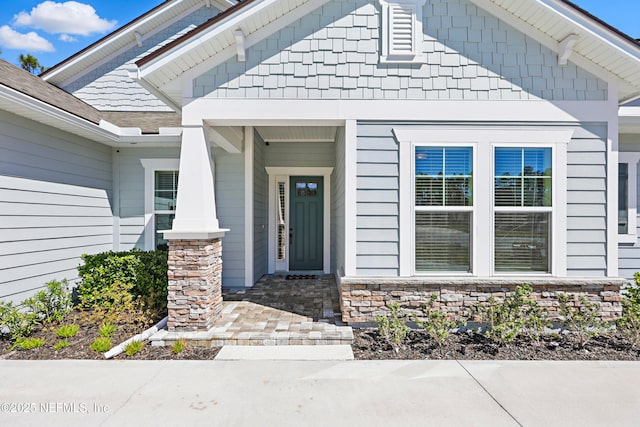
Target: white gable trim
{"points": [[230, 51], [74, 69]]}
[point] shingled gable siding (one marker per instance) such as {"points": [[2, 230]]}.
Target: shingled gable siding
{"points": [[378, 195], [54, 204], [333, 53], [109, 87]]}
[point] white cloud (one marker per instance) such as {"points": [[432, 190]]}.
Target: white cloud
{"points": [[30, 42], [69, 17], [67, 38]]}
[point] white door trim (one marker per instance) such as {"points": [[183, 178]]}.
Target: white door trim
{"points": [[288, 172]]}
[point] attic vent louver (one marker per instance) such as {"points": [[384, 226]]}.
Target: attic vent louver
{"points": [[402, 31]]}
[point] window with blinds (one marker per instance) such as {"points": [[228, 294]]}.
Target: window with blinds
{"points": [[165, 196], [443, 208], [522, 209]]}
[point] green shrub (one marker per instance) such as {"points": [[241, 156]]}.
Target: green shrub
{"points": [[28, 343], [101, 344], [107, 330], [146, 272], [629, 323], [51, 304], [393, 328], [584, 320], [61, 344], [516, 314], [14, 322], [67, 331], [178, 347], [133, 347], [436, 323]]}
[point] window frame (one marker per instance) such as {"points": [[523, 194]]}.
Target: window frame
{"points": [[631, 159], [415, 208], [388, 55], [524, 209], [484, 138], [151, 166]]}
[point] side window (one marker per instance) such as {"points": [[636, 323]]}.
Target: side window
{"points": [[164, 209]]}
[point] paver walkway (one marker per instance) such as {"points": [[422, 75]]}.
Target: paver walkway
{"points": [[276, 311]]}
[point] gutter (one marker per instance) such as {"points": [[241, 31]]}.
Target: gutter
{"points": [[103, 132]]}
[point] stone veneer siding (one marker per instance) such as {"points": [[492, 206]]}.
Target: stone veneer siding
{"points": [[361, 300], [195, 284]]}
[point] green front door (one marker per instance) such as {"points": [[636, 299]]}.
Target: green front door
{"points": [[305, 228]]}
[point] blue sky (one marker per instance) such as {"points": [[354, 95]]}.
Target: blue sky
{"points": [[53, 30]]}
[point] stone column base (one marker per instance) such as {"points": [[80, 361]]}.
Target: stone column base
{"points": [[195, 284]]}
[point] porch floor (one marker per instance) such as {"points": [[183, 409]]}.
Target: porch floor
{"points": [[275, 311]]}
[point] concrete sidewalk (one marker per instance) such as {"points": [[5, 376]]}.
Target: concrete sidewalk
{"points": [[296, 393]]}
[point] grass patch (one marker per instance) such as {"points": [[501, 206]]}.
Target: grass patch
{"points": [[133, 347], [61, 344], [67, 331], [101, 344], [28, 343]]}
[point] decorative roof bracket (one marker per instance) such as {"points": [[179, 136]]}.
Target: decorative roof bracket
{"points": [[565, 49]]}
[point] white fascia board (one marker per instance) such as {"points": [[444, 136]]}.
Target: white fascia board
{"points": [[597, 30], [545, 40], [239, 112], [253, 38], [46, 110], [106, 133], [127, 34], [229, 24]]}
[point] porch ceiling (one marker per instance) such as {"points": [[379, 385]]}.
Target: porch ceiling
{"points": [[297, 133]]}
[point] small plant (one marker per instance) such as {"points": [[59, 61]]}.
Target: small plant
{"points": [[51, 304], [518, 313], [101, 344], [61, 344], [437, 324], [393, 328], [28, 343], [67, 331], [14, 322], [584, 320], [107, 330], [133, 347], [629, 323], [178, 347]]}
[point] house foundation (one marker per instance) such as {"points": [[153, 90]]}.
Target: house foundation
{"points": [[361, 300], [195, 284]]}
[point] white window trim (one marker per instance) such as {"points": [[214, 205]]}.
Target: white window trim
{"points": [[472, 209], [632, 160], [388, 55], [284, 173], [150, 167], [527, 209], [485, 138]]}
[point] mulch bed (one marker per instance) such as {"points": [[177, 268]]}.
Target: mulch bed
{"points": [[471, 345], [79, 347]]}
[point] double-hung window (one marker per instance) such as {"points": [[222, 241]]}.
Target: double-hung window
{"points": [[443, 208], [522, 209], [483, 201]]}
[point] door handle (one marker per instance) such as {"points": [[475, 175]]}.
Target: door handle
{"points": [[290, 235]]}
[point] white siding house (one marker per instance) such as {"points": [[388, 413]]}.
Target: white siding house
{"points": [[472, 149]]}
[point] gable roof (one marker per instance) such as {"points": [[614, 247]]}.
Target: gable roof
{"points": [[547, 21], [29, 96], [33, 86], [146, 23]]}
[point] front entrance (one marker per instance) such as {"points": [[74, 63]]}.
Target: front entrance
{"points": [[306, 223]]}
